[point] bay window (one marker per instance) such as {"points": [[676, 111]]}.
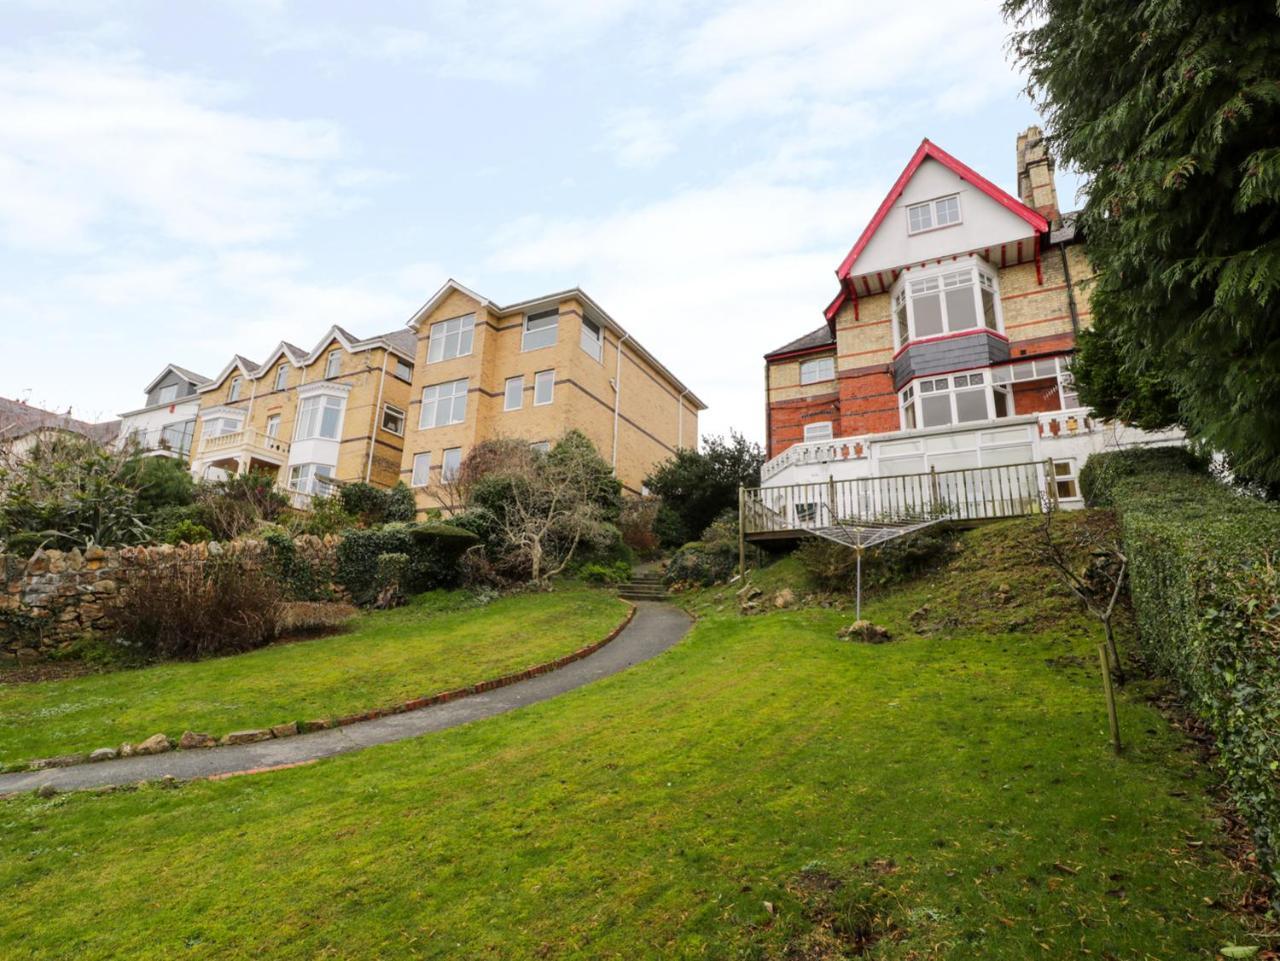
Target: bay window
{"points": [[945, 302], [319, 418], [818, 369], [955, 399], [310, 478]]}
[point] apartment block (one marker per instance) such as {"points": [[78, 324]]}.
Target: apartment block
{"points": [[335, 413], [532, 371]]}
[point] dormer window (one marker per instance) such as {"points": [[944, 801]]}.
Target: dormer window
{"points": [[332, 364], [282, 372], [944, 302], [817, 370], [932, 214]]}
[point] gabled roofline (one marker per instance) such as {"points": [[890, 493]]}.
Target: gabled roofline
{"points": [[598, 314], [799, 352], [236, 361], [186, 375], [927, 150]]}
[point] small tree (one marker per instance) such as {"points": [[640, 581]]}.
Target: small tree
{"points": [[1099, 583], [697, 485]]}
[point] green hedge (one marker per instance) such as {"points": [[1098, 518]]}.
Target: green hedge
{"points": [[433, 550], [1204, 562]]}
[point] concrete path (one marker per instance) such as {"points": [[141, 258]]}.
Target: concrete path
{"points": [[654, 629]]}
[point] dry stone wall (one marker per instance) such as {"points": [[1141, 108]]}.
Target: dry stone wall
{"points": [[54, 598]]}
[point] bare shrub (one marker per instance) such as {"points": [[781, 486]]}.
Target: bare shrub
{"points": [[302, 617], [638, 525], [187, 610]]}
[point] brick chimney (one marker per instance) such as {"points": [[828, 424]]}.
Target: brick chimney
{"points": [[1035, 175]]}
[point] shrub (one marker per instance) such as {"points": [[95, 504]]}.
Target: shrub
{"points": [[697, 485], [189, 610], [298, 578], [186, 532], [833, 567], [391, 574], [702, 564], [433, 550], [637, 523], [305, 617], [619, 572], [1206, 595], [376, 505], [328, 515], [160, 482]]}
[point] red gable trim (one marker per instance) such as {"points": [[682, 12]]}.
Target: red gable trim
{"points": [[964, 172]]}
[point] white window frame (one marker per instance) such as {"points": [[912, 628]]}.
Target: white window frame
{"points": [[937, 281], [433, 394], [393, 411], [451, 338], [592, 344], [911, 398], [1066, 481], [449, 471], [517, 382], [404, 370], [311, 417], [934, 207], [333, 364], [273, 426], [544, 378], [233, 393], [168, 394], [282, 372], [421, 476], [306, 478], [540, 333], [817, 370], [825, 431]]}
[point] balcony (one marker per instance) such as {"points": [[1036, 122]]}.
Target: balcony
{"points": [[171, 441], [244, 445]]}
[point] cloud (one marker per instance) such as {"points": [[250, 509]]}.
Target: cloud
{"points": [[638, 138], [92, 148], [708, 279]]}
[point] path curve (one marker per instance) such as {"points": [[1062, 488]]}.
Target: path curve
{"points": [[655, 628]]}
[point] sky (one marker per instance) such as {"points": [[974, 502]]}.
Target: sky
{"points": [[181, 182]]}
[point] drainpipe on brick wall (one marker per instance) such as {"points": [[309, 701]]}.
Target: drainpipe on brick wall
{"points": [[617, 401], [377, 410], [680, 420], [1071, 293]]}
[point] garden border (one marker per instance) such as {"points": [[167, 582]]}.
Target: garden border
{"points": [[191, 741]]}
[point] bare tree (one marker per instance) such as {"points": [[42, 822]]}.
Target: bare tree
{"points": [[1098, 584]]}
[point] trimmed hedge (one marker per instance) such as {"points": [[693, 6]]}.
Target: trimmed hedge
{"points": [[1204, 562], [432, 549]]}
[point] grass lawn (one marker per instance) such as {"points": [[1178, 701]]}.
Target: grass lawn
{"points": [[436, 643], [760, 791]]}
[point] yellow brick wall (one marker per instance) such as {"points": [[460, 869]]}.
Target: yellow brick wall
{"points": [[648, 429], [362, 371]]}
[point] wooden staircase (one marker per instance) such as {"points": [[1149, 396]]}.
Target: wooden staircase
{"points": [[643, 586]]}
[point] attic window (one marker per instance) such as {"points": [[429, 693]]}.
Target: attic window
{"points": [[332, 364], [282, 372], [932, 214], [818, 369]]}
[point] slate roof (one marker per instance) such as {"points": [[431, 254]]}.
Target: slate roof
{"points": [[18, 418], [822, 337], [191, 375], [401, 339]]}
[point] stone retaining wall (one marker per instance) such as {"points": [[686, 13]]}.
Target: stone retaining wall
{"points": [[49, 601]]}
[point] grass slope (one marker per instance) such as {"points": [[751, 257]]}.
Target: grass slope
{"points": [[436, 643], [939, 797]]}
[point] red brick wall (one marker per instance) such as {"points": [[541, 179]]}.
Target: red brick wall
{"points": [[1036, 396], [1035, 346], [868, 402], [788, 417]]}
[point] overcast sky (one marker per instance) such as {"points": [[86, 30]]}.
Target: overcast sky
{"points": [[181, 181]]}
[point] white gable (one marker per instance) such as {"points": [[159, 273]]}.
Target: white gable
{"points": [[984, 223]]}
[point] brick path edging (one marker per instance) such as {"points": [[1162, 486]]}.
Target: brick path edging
{"points": [[290, 728]]}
